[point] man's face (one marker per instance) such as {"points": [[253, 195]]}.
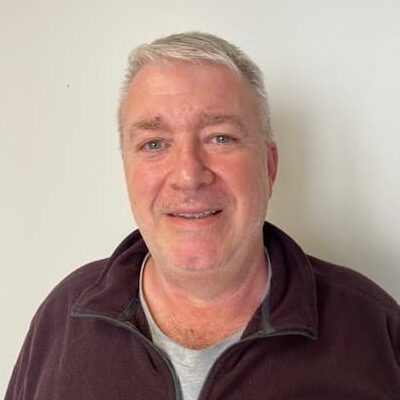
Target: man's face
{"points": [[198, 170]]}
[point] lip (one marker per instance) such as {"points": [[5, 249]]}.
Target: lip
{"points": [[195, 214], [194, 217]]}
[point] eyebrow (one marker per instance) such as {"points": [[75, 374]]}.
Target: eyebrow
{"points": [[206, 119], [151, 124], [216, 119]]}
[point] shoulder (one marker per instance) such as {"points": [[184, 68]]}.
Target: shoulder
{"points": [[81, 277], [65, 293], [352, 309], [348, 284]]}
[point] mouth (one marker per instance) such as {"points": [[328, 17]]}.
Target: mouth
{"points": [[195, 215]]}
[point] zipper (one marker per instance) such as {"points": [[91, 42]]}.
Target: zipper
{"points": [[132, 329], [175, 379], [255, 336]]}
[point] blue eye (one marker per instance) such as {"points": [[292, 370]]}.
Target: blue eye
{"points": [[153, 145], [223, 139]]}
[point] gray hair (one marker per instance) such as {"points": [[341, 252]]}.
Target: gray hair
{"points": [[198, 46]]}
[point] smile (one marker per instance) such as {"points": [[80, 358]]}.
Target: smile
{"points": [[195, 215]]}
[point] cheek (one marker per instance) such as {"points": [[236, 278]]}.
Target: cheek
{"points": [[249, 185], [248, 178], [138, 185], [144, 184]]}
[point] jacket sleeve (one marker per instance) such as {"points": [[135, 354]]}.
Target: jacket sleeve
{"points": [[42, 348], [393, 327], [16, 386]]}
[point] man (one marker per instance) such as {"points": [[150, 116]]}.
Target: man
{"points": [[205, 300]]}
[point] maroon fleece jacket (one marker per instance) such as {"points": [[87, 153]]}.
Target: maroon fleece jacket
{"points": [[324, 332]]}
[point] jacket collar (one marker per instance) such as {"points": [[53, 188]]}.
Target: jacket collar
{"points": [[290, 306]]}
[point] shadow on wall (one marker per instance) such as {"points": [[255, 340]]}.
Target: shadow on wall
{"points": [[321, 202]]}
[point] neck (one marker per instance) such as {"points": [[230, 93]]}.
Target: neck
{"points": [[207, 309]]}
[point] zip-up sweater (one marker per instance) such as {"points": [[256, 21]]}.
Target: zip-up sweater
{"points": [[324, 332]]}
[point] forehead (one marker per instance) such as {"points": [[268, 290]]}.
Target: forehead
{"points": [[158, 74], [183, 90]]}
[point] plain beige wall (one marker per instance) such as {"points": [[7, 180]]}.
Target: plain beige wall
{"points": [[332, 70]]}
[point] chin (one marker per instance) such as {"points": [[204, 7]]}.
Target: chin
{"points": [[196, 259]]}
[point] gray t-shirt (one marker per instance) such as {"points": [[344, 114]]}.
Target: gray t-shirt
{"points": [[191, 366]]}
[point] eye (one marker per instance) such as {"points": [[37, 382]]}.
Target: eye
{"points": [[153, 145], [223, 139]]}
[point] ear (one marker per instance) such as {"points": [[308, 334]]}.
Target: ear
{"points": [[272, 162]]}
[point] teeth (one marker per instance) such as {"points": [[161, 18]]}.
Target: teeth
{"points": [[195, 215]]}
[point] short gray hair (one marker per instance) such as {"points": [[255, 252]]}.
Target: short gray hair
{"points": [[198, 46]]}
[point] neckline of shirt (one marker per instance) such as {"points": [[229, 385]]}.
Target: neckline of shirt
{"points": [[157, 332]]}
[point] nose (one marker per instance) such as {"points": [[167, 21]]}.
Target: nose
{"points": [[189, 170]]}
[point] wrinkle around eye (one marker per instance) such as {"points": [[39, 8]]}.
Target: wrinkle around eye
{"points": [[153, 145], [223, 138]]}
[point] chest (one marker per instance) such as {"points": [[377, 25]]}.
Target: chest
{"points": [[105, 361]]}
